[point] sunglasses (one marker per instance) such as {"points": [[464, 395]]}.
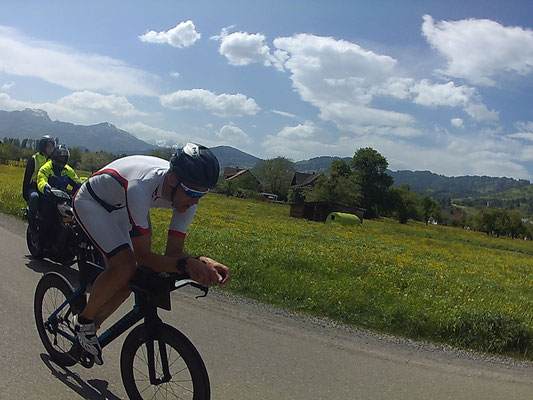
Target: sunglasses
{"points": [[195, 194]]}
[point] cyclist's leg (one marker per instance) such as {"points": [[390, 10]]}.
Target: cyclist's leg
{"points": [[110, 283], [111, 306]]}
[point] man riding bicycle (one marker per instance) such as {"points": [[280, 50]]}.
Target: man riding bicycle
{"points": [[113, 208]]}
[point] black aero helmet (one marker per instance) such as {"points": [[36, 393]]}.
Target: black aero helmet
{"points": [[43, 142], [195, 164], [60, 155]]}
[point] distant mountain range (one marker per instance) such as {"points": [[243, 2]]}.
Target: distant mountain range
{"points": [[34, 124]]}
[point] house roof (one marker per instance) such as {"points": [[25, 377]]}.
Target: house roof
{"points": [[241, 172], [230, 171], [302, 179]]}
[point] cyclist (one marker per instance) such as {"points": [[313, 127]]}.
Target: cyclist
{"points": [[29, 184], [113, 207]]}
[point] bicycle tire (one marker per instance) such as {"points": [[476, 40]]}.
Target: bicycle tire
{"points": [[189, 378], [52, 290]]}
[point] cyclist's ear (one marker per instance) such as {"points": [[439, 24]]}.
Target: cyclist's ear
{"points": [[172, 179]]}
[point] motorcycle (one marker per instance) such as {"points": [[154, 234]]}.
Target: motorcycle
{"points": [[57, 235]]}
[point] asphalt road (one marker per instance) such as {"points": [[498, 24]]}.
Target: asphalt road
{"points": [[251, 351]]}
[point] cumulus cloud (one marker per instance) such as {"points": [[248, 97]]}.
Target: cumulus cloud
{"points": [[300, 141], [241, 48], [231, 134], [478, 50], [182, 35], [446, 94], [102, 104], [222, 105], [66, 67], [79, 107], [340, 78], [149, 134], [457, 122], [525, 131]]}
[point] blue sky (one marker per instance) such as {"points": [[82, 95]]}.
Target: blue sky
{"points": [[445, 86]]}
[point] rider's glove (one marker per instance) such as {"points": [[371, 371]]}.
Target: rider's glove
{"points": [[47, 189]]}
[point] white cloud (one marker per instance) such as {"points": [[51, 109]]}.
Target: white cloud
{"points": [[284, 114], [480, 112], [525, 131], [182, 35], [79, 107], [233, 135], [222, 105], [479, 50], [457, 122], [153, 135], [297, 142], [341, 78], [446, 94], [7, 86], [241, 48], [63, 66], [95, 102]]}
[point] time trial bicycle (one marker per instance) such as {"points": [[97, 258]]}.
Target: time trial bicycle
{"points": [[156, 361]]}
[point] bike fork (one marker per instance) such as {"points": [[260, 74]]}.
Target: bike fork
{"points": [[152, 339]]}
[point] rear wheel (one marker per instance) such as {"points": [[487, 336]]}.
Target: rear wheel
{"points": [[52, 291], [34, 242], [186, 376]]}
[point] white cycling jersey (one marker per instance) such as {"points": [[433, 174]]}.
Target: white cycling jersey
{"points": [[115, 202]]}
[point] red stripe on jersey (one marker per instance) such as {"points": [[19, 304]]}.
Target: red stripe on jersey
{"points": [[176, 233]]}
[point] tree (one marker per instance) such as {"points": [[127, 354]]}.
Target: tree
{"points": [[75, 157], [430, 209], [275, 175], [371, 168], [403, 204], [165, 153]]}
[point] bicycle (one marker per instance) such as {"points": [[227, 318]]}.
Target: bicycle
{"points": [[156, 361]]}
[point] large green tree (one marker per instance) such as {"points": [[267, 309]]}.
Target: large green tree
{"points": [[371, 168], [275, 175], [341, 186]]}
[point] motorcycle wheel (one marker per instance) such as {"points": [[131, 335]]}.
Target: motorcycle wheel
{"points": [[34, 243]]}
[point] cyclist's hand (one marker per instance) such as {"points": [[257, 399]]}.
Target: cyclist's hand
{"points": [[207, 271], [222, 270]]}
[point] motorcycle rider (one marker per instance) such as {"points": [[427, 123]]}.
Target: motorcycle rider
{"points": [[29, 184], [57, 165], [64, 175]]}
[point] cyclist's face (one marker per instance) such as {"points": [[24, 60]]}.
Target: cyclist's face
{"points": [[182, 202]]}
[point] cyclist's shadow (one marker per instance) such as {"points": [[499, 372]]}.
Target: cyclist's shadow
{"points": [[93, 389]]}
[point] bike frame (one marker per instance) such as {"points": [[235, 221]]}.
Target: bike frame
{"points": [[144, 308]]}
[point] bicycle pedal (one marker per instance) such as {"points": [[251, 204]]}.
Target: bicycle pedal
{"points": [[85, 359]]}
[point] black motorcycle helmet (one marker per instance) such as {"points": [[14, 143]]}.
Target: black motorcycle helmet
{"points": [[60, 156], [195, 164], [43, 142]]}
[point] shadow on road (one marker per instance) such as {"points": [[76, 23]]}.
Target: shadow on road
{"points": [[44, 266], [93, 389]]}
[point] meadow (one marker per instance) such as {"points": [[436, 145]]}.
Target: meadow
{"points": [[435, 283]]}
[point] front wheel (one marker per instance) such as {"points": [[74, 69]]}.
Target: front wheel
{"points": [[178, 367], [52, 291]]}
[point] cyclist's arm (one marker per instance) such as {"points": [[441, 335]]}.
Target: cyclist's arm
{"points": [[206, 274]]}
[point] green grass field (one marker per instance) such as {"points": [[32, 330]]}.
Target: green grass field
{"points": [[440, 284]]}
